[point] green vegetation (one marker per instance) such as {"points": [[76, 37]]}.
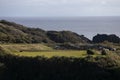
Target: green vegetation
{"points": [[59, 68], [90, 52], [40, 62], [67, 36], [3, 51], [33, 50], [25, 47], [58, 53], [15, 33]]}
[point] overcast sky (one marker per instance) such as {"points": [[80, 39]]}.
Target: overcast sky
{"points": [[59, 8]]}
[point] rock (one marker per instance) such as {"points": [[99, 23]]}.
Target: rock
{"points": [[99, 38]]}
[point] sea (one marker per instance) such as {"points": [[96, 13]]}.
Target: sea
{"points": [[87, 26]]}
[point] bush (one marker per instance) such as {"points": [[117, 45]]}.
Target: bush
{"points": [[57, 68], [3, 51], [90, 52], [104, 52]]}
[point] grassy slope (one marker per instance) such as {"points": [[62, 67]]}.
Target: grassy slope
{"points": [[59, 68], [49, 54], [33, 50], [25, 47]]}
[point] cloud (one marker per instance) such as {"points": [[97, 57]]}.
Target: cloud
{"points": [[59, 2], [59, 7]]}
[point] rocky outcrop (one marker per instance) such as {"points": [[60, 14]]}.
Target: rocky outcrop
{"points": [[99, 38]]}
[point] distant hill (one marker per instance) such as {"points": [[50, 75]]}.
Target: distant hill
{"points": [[99, 38], [14, 33], [66, 36], [11, 32]]}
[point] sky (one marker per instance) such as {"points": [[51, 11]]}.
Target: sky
{"points": [[59, 8]]}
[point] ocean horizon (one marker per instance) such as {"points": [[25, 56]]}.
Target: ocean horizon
{"points": [[87, 26]]}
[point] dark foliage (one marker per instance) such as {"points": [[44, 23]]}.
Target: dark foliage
{"points": [[67, 36], [56, 68], [104, 52], [103, 37], [90, 52]]}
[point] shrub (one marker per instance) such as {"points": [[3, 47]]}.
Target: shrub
{"points": [[3, 52], [90, 52], [104, 52]]}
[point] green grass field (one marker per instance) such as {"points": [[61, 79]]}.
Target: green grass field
{"points": [[48, 54], [25, 47], [33, 50]]}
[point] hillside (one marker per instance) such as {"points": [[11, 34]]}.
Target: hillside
{"points": [[67, 36], [11, 32], [65, 60], [14, 33]]}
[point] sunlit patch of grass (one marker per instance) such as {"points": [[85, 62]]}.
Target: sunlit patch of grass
{"points": [[33, 50], [25, 47], [59, 53]]}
